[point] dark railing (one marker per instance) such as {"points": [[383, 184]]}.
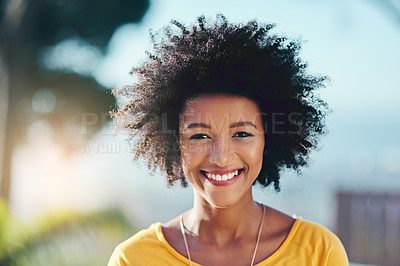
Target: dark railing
{"points": [[369, 226]]}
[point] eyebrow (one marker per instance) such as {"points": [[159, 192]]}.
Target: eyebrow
{"points": [[243, 123], [237, 124], [194, 125]]}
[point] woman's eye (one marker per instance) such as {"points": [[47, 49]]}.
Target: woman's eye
{"points": [[199, 136], [242, 134]]}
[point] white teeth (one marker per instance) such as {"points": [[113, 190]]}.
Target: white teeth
{"points": [[223, 177]]}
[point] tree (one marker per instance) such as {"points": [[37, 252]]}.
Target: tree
{"points": [[27, 28]]}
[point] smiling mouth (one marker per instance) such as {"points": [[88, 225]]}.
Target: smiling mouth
{"points": [[223, 177]]}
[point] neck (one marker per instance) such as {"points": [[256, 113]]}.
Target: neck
{"points": [[221, 225]]}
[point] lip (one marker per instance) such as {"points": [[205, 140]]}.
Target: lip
{"points": [[222, 172]]}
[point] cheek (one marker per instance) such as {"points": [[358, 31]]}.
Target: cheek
{"points": [[192, 156], [191, 162], [253, 154]]}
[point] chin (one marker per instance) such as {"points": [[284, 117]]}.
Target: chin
{"points": [[221, 201]]}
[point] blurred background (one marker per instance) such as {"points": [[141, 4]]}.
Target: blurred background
{"points": [[69, 188]]}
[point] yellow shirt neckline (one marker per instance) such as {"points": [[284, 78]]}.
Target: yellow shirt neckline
{"points": [[277, 253]]}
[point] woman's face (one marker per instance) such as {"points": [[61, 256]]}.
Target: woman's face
{"points": [[222, 144]]}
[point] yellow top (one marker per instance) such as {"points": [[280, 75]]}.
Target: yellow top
{"points": [[306, 244]]}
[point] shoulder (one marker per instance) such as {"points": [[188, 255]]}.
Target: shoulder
{"points": [[138, 249], [310, 233], [319, 242]]}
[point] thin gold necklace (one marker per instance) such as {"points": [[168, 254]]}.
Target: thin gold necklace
{"points": [[255, 249]]}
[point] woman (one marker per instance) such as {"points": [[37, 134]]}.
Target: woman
{"points": [[225, 106]]}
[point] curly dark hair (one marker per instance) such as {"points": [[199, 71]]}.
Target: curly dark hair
{"points": [[214, 57]]}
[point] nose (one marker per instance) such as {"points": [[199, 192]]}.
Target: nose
{"points": [[221, 153]]}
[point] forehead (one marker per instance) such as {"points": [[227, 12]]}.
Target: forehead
{"points": [[220, 108]]}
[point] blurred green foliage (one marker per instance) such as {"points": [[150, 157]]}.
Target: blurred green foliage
{"points": [[61, 238]]}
